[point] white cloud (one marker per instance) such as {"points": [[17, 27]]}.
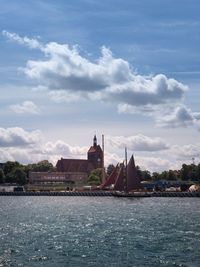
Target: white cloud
{"points": [[146, 91], [31, 43], [15, 137], [29, 146], [153, 164], [63, 96], [180, 117], [196, 115], [64, 68], [62, 149], [126, 108], [186, 152], [108, 79], [5, 155], [25, 107], [40, 88], [112, 158], [138, 143]]}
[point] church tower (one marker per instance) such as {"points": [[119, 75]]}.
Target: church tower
{"points": [[95, 154], [95, 141]]}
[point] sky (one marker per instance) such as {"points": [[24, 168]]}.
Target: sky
{"points": [[129, 70]]}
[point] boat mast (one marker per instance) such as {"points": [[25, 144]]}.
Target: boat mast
{"points": [[103, 169], [126, 171]]}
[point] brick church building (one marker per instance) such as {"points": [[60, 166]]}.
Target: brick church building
{"points": [[71, 172], [94, 160]]}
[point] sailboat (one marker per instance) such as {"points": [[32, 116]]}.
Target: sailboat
{"points": [[110, 181], [128, 183]]}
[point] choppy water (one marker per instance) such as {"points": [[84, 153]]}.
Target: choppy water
{"points": [[99, 231]]}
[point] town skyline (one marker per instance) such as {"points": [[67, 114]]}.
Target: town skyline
{"points": [[128, 70]]}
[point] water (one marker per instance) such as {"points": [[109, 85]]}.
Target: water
{"points": [[99, 231]]}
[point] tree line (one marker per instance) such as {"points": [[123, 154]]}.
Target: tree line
{"points": [[188, 172], [14, 172]]}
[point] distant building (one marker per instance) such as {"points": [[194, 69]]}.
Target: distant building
{"points": [[62, 178], [94, 160], [72, 172]]}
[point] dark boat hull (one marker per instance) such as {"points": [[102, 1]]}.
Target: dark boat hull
{"points": [[131, 194]]}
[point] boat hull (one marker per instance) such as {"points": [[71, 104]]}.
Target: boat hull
{"points": [[131, 194]]}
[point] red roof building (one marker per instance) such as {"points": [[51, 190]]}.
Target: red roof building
{"points": [[94, 160]]}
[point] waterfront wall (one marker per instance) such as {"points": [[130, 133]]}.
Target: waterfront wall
{"points": [[67, 193], [98, 194]]}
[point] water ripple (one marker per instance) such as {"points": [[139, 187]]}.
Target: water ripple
{"points": [[102, 232]]}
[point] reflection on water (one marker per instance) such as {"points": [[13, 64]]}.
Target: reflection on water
{"points": [[104, 231]]}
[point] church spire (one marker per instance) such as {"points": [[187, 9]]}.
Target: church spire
{"points": [[95, 140]]}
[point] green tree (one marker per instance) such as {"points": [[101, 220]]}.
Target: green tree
{"points": [[155, 176], [184, 172], [146, 175], [139, 172], [95, 177], [14, 172], [172, 175], [198, 172], [94, 180], [10, 166], [17, 176], [2, 176], [193, 172], [41, 166], [110, 168], [164, 175]]}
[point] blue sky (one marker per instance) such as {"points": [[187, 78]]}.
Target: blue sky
{"points": [[126, 69]]}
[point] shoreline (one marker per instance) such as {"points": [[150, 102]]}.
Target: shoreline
{"points": [[99, 194]]}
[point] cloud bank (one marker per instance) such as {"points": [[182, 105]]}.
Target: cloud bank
{"points": [[70, 76], [17, 144], [25, 107], [29, 146], [138, 143], [180, 117], [18, 137]]}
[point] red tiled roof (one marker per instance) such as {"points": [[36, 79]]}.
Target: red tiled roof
{"points": [[74, 165]]}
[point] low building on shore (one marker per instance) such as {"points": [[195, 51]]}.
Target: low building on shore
{"points": [[69, 180]]}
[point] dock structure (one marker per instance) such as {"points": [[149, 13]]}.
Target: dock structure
{"points": [[98, 194]]}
